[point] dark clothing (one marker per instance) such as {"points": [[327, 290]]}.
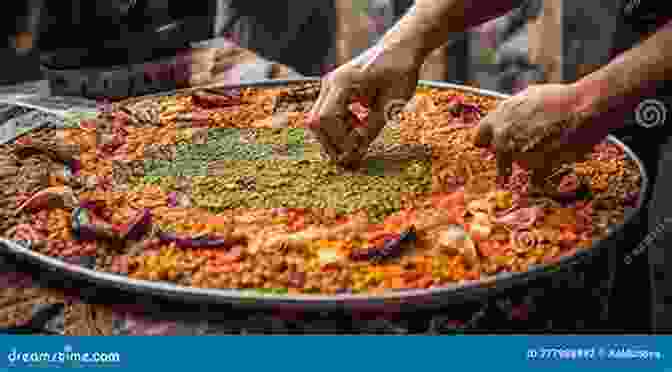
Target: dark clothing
{"points": [[297, 34], [640, 18]]}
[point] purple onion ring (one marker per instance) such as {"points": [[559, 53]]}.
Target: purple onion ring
{"points": [[192, 242]]}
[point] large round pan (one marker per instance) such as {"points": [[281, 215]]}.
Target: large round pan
{"points": [[408, 299]]}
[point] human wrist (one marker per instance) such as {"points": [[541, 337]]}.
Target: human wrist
{"points": [[589, 97], [415, 34], [597, 107], [384, 55], [412, 47]]}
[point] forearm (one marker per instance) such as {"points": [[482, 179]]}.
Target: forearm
{"points": [[618, 87], [429, 23]]}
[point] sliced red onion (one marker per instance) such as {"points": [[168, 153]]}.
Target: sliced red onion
{"points": [[507, 212], [235, 253], [88, 262], [391, 248], [138, 226], [461, 125], [200, 242], [297, 279], [88, 204], [172, 199], [278, 212], [52, 197], [525, 240], [85, 229], [75, 167], [471, 108], [570, 182], [567, 244], [631, 199], [215, 100], [522, 218]]}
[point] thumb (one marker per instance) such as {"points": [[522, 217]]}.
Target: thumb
{"points": [[484, 132], [504, 155]]}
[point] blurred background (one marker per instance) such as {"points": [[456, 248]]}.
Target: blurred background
{"points": [[310, 37]]}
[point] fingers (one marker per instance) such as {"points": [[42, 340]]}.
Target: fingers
{"points": [[335, 116], [355, 149], [504, 163], [484, 132], [327, 145], [488, 133], [497, 129], [329, 117], [544, 164], [313, 115], [486, 128], [504, 152], [315, 121]]}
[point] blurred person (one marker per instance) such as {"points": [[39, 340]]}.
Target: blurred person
{"points": [[20, 32], [512, 55], [450, 62], [362, 23], [590, 107], [299, 34]]}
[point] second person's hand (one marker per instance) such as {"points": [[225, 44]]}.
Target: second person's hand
{"points": [[540, 128], [380, 78]]}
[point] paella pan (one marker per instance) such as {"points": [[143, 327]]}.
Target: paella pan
{"points": [[220, 195]]}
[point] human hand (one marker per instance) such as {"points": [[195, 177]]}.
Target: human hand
{"points": [[381, 79], [541, 128]]}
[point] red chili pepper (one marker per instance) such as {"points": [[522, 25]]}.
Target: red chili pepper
{"points": [[411, 276], [23, 141], [329, 268], [342, 220], [298, 225], [137, 226], [234, 255], [212, 100], [87, 124], [381, 239], [425, 282], [489, 248]]}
